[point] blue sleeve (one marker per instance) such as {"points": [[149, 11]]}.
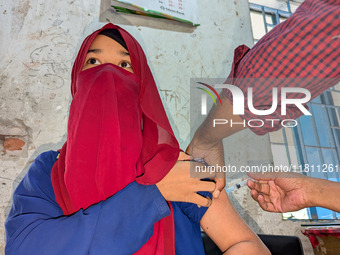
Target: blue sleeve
{"points": [[188, 239], [191, 210], [36, 224]]}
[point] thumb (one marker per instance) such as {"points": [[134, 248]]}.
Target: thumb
{"points": [[220, 184]]}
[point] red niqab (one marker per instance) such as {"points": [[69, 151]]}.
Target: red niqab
{"points": [[106, 146]]}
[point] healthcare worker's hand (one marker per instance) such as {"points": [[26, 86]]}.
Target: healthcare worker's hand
{"points": [[281, 192], [213, 154], [178, 185]]}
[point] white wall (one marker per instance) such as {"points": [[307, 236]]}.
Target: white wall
{"points": [[39, 40]]}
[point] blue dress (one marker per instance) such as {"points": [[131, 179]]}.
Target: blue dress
{"points": [[119, 225]]}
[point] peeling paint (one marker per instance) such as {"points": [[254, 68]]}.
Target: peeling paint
{"points": [[13, 144]]}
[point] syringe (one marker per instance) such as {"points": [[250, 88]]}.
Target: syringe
{"points": [[238, 185]]}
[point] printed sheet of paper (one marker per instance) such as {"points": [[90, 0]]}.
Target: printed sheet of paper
{"points": [[181, 10]]}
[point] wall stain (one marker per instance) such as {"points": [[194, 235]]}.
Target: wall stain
{"points": [[20, 11], [50, 63]]}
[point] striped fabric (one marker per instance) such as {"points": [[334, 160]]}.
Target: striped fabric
{"points": [[303, 51]]}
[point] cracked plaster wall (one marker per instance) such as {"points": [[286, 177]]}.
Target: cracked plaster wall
{"points": [[39, 40]]}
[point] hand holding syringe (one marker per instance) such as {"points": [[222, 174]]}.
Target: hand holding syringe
{"points": [[232, 188]]}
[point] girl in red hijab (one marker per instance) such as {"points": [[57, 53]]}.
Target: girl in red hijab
{"points": [[119, 140], [106, 148]]}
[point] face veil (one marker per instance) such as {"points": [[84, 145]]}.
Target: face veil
{"points": [[107, 146]]}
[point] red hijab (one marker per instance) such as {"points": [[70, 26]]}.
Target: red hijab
{"points": [[118, 132]]}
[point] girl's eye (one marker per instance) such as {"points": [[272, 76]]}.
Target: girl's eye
{"points": [[125, 64], [93, 61]]}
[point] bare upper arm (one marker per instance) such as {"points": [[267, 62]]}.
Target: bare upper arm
{"points": [[226, 228]]}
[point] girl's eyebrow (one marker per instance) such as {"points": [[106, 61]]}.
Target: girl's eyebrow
{"points": [[95, 50], [123, 53]]}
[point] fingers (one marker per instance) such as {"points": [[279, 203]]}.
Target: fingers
{"points": [[251, 184], [209, 186], [202, 201], [260, 186], [267, 205], [220, 184], [254, 194], [216, 193], [263, 200], [260, 192]]}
